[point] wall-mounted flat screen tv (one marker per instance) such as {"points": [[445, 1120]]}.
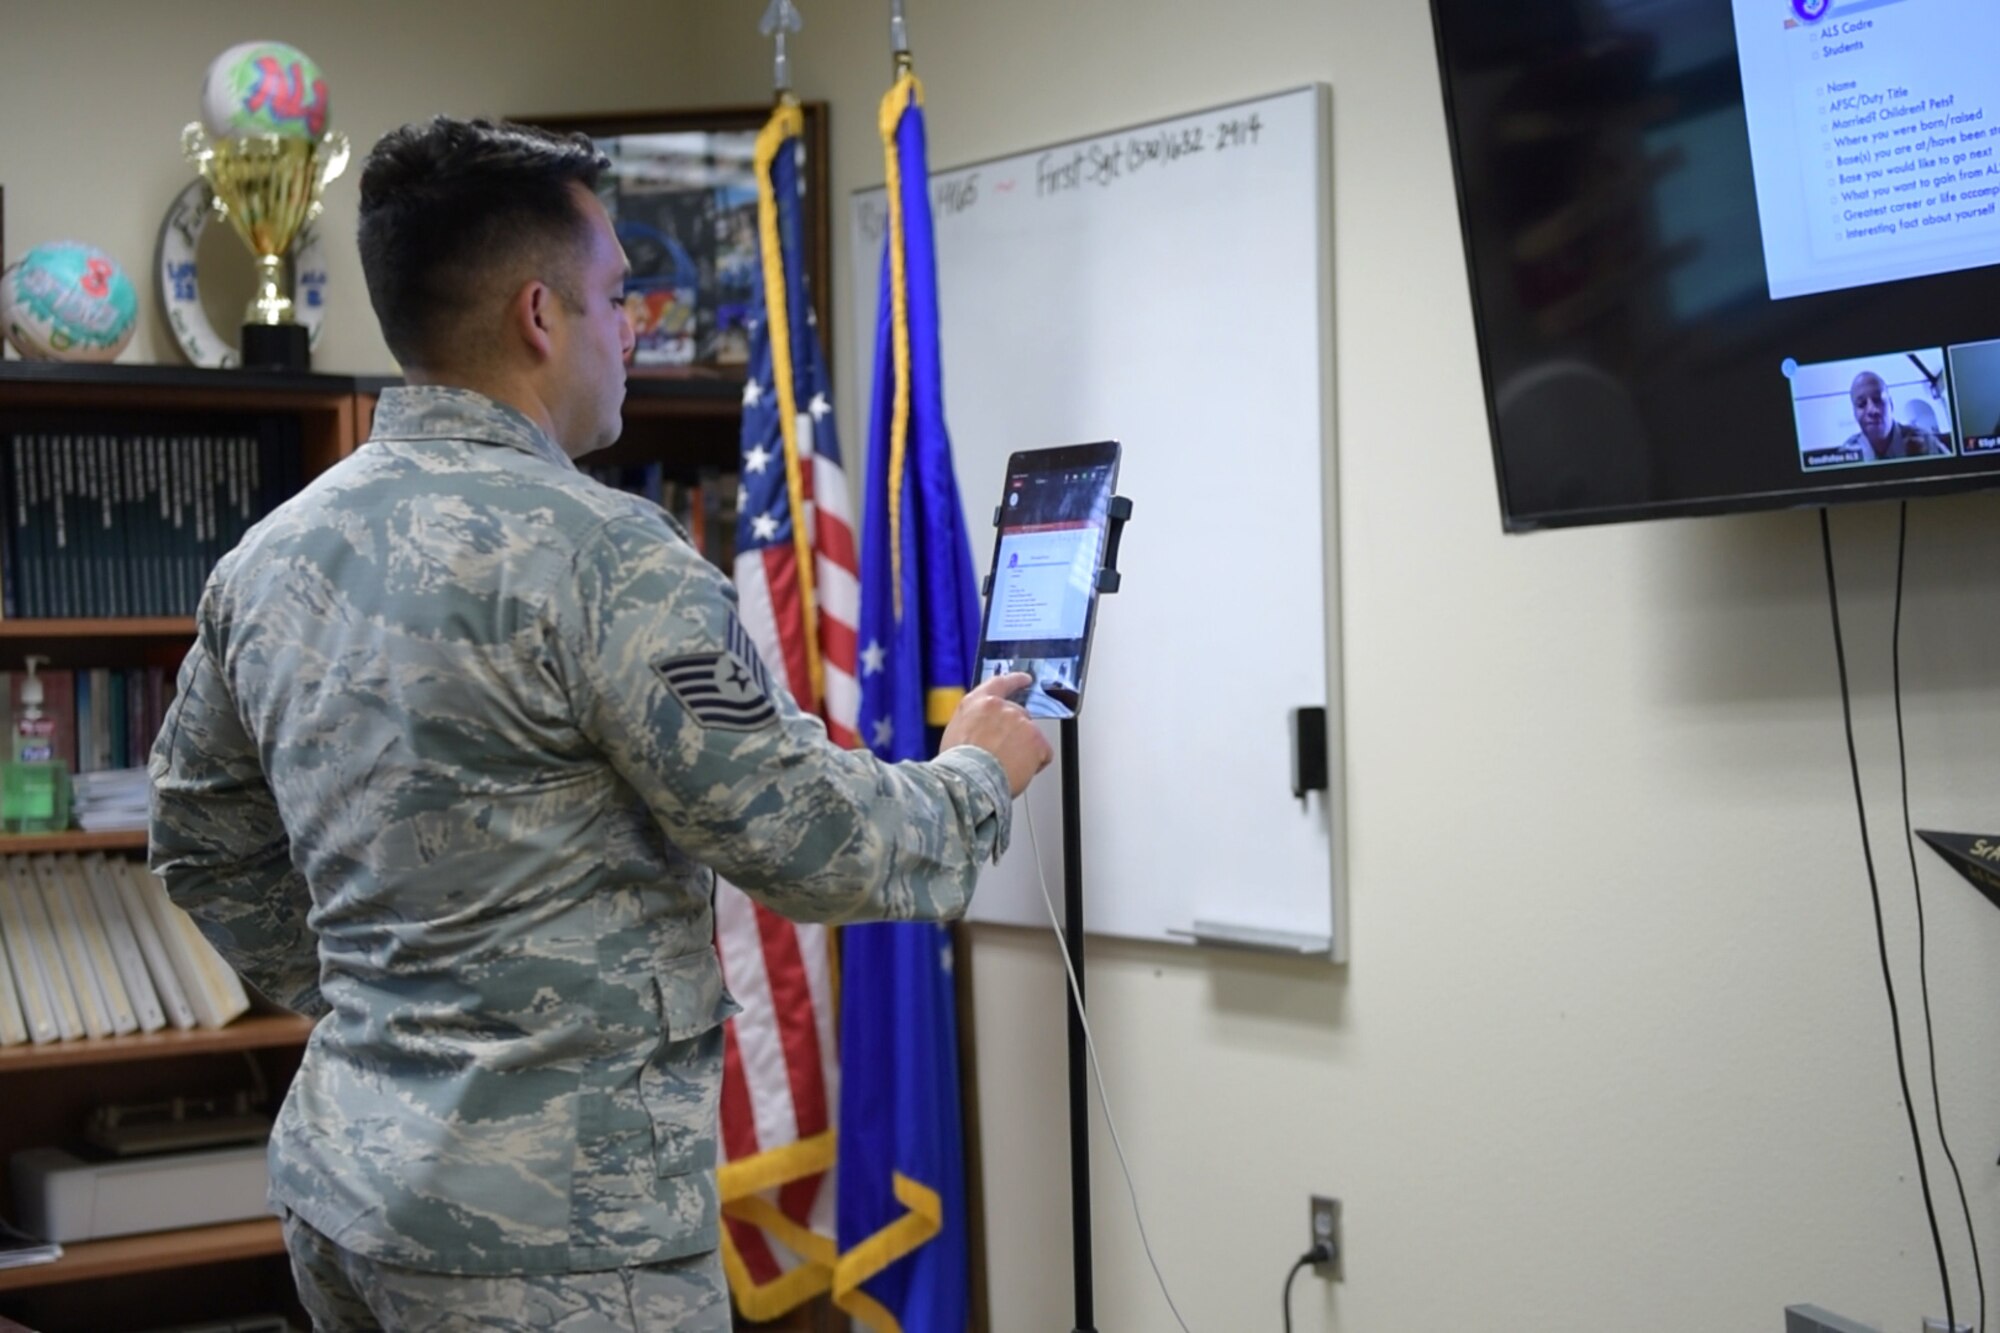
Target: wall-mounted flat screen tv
{"points": [[1729, 254]]}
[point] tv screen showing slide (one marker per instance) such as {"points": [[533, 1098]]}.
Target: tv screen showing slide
{"points": [[1729, 254]]}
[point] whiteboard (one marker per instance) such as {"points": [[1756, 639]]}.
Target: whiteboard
{"points": [[1165, 286]]}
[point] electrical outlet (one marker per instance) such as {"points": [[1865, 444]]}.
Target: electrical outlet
{"points": [[1326, 1231], [1932, 1325]]}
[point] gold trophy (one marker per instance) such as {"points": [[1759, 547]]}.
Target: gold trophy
{"points": [[263, 148]]}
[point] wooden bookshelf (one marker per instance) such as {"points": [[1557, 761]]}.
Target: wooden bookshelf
{"points": [[131, 627], [197, 1274], [252, 1032], [201, 1274], [94, 1260], [73, 840]]}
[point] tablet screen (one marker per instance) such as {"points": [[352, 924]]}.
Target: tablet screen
{"points": [[1042, 589]]}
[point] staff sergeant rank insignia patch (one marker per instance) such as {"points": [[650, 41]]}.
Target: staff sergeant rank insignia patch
{"points": [[728, 690]]}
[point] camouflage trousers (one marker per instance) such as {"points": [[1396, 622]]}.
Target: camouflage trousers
{"points": [[345, 1293]]}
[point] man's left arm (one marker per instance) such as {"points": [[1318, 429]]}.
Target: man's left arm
{"points": [[218, 842]]}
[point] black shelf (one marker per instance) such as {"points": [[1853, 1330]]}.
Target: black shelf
{"points": [[691, 386], [646, 387], [170, 377]]}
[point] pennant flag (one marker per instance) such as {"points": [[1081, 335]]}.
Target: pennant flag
{"points": [[1971, 855], [903, 1263], [798, 600]]}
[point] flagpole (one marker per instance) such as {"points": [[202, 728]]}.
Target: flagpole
{"points": [[899, 38], [781, 18]]}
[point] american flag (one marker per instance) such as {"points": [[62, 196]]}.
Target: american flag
{"points": [[799, 600]]}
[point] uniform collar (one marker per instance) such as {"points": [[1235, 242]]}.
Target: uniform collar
{"points": [[436, 412]]}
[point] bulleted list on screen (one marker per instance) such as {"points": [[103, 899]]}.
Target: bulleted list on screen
{"points": [[1873, 140]]}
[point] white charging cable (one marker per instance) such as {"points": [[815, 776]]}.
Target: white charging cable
{"points": [[1090, 1045]]}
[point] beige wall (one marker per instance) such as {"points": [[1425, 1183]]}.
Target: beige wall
{"points": [[93, 95], [1612, 1052]]}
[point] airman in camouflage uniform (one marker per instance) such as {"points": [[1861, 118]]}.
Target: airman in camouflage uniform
{"points": [[461, 744]]}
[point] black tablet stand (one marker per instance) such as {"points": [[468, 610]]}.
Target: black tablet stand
{"points": [[1079, 1056]]}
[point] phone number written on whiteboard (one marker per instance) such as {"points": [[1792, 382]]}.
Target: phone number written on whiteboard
{"points": [[1102, 162]]}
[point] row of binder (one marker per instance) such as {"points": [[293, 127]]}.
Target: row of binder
{"points": [[113, 522], [91, 946]]}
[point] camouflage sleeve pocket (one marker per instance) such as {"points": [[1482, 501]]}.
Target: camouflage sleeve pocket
{"points": [[691, 995], [682, 1082]]}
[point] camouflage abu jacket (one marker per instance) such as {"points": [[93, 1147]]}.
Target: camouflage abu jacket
{"points": [[460, 738]]}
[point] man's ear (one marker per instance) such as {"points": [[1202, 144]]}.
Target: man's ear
{"points": [[530, 317]]}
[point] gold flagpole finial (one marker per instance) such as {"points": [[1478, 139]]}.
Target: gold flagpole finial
{"points": [[781, 17]]}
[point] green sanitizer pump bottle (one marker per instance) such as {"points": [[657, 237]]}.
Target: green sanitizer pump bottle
{"points": [[34, 783]]}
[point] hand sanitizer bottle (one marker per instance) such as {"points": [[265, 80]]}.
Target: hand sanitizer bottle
{"points": [[34, 783]]}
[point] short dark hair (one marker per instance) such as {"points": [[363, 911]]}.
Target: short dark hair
{"points": [[448, 206]]}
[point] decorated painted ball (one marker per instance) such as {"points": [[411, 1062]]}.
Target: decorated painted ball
{"points": [[264, 88], [67, 301]]}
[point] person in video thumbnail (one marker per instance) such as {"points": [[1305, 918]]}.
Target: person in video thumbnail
{"points": [[1881, 436]]}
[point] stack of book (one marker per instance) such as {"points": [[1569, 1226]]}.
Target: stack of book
{"points": [[113, 798], [18, 1249], [91, 946]]}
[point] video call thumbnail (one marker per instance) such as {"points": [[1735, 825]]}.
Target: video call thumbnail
{"points": [[1975, 386], [1055, 691], [1875, 410]]}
